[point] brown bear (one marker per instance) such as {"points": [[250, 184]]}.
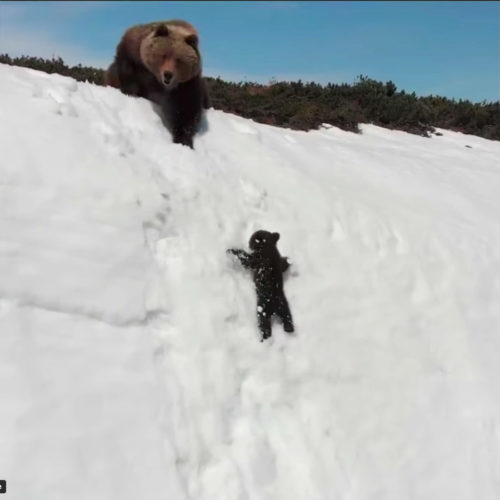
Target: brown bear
{"points": [[161, 62]]}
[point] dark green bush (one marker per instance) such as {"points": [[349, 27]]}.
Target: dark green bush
{"points": [[57, 65], [305, 106]]}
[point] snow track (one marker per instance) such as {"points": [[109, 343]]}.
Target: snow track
{"points": [[129, 353]]}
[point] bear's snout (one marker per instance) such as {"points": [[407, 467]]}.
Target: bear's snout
{"points": [[167, 77]]}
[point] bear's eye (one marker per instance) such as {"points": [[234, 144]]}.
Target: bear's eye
{"points": [[192, 40], [161, 31]]}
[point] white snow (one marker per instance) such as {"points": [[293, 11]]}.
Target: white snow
{"points": [[130, 361]]}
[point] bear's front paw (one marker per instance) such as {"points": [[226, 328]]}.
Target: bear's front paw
{"points": [[265, 336]]}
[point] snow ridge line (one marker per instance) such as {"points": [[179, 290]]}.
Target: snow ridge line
{"points": [[150, 317]]}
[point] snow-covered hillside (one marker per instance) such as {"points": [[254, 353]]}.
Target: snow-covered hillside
{"points": [[130, 361]]}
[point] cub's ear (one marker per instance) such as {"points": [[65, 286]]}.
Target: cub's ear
{"points": [[276, 237]]}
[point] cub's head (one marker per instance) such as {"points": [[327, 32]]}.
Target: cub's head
{"points": [[170, 52], [263, 240]]}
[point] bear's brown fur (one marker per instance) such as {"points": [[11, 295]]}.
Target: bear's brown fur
{"points": [[161, 62]]}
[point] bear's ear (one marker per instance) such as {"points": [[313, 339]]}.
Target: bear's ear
{"points": [[192, 40], [276, 237], [162, 30]]}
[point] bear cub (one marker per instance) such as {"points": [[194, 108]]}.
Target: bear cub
{"points": [[267, 267]]}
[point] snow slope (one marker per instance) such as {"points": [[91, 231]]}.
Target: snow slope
{"points": [[130, 366]]}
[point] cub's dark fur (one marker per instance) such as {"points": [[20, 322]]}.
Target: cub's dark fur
{"points": [[268, 267]]}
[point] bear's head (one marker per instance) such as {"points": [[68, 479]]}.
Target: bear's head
{"points": [[262, 240], [170, 52]]}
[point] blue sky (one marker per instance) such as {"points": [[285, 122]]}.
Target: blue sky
{"points": [[443, 48]]}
